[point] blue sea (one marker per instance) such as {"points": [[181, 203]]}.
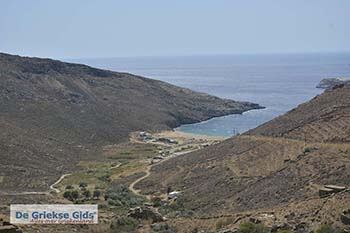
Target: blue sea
{"points": [[279, 82]]}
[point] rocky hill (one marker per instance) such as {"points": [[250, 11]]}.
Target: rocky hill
{"points": [[273, 174], [324, 119], [54, 113]]}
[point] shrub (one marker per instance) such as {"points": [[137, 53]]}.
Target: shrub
{"points": [[249, 227], [71, 195], [124, 224], [83, 184], [284, 231], [75, 194], [325, 228], [69, 187], [87, 194], [157, 201], [96, 194], [122, 196], [67, 195], [307, 150]]}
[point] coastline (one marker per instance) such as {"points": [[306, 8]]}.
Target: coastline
{"points": [[180, 131]]}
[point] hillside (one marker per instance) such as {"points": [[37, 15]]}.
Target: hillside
{"points": [[54, 113], [275, 170], [324, 119]]}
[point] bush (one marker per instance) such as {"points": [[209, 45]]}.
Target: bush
{"points": [[96, 194], [325, 229], [124, 224], [75, 194], [157, 201], [284, 231], [83, 184], [120, 195], [87, 194], [307, 150], [249, 227], [67, 195], [69, 187], [71, 195], [105, 178]]}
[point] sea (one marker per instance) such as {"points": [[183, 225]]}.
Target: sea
{"points": [[279, 82]]}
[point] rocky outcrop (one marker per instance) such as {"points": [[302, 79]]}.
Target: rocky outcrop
{"points": [[329, 83]]}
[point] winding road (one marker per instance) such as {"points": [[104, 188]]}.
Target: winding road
{"points": [[148, 173], [52, 187]]}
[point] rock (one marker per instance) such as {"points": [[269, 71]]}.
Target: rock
{"points": [[335, 187], [146, 213], [325, 192], [330, 189]]}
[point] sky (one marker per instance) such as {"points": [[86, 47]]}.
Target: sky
{"points": [[115, 28]]}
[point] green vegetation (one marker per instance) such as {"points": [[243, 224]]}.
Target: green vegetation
{"points": [[71, 195], [124, 224], [307, 150], [325, 228], [176, 209], [86, 194], [121, 198], [157, 201], [83, 184], [249, 227], [284, 231]]}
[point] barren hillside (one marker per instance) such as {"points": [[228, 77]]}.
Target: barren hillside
{"points": [[276, 168]]}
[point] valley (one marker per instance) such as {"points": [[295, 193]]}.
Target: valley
{"points": [[75, 134]]}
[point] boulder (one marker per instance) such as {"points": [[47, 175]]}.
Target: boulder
{"points": [[325, 192], [335, 187], [330, 189]]}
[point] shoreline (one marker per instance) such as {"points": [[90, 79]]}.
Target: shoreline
{"points": [[177, 129]]}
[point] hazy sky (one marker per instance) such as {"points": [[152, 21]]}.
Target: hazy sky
{"points": [[102, 28]]}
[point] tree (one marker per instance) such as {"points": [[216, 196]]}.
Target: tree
{"points": [[67, 195], [75, 194], [87, 194]]}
